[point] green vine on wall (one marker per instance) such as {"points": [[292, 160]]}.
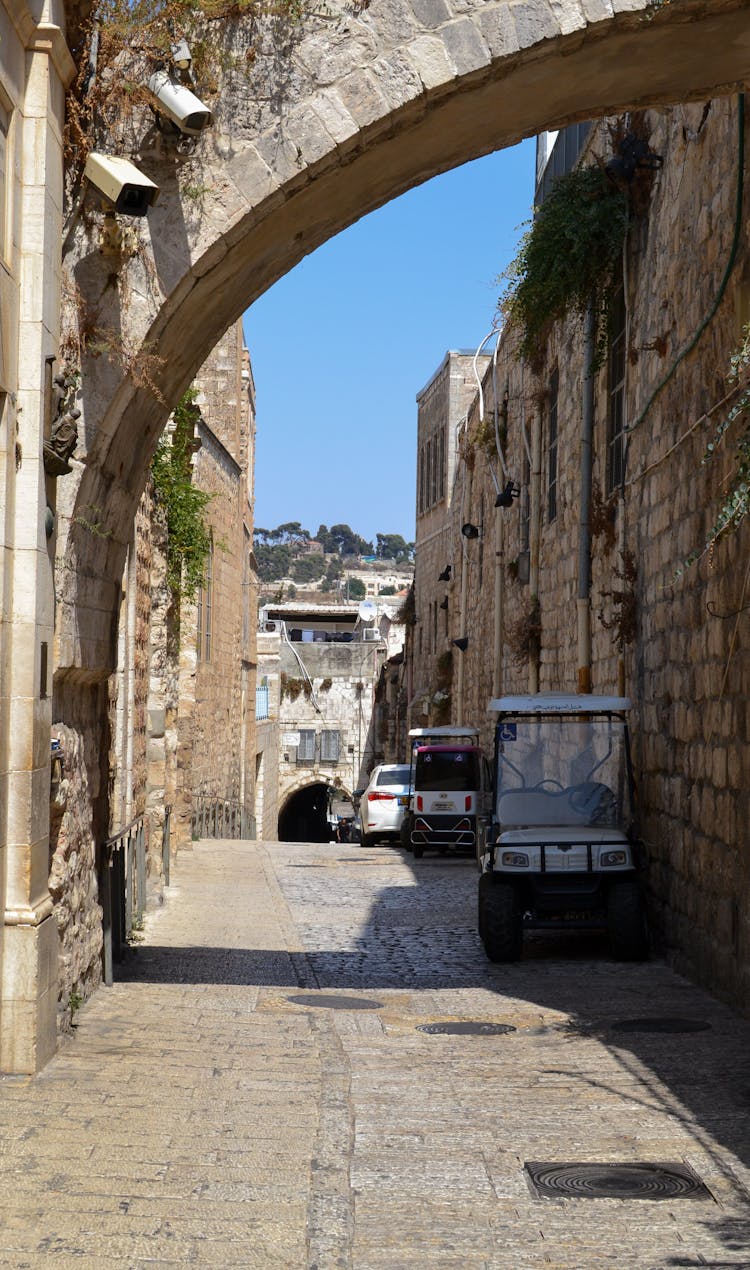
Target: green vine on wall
{"points": [[183, 505], [567, 259]]}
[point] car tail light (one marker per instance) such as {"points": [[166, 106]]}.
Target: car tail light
{"points": [[380, 798], [420, 804], [467, 803]]}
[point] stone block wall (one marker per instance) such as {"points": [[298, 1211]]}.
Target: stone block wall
{"points": [[675, 639]]}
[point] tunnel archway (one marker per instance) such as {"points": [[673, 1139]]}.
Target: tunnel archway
{"points": [[304, 816]]}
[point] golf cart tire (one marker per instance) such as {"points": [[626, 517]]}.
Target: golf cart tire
{"points": [[626, 922], [500, 919], [417, 850], [406, 833]]}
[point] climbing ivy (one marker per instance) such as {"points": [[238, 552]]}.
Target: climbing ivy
{"points": [[183, 505], [567, 259]]}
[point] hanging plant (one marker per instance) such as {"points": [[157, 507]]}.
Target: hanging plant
{"points": [[568, 259]]}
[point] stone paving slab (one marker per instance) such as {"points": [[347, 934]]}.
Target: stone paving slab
{"points": [[199, 1117]]}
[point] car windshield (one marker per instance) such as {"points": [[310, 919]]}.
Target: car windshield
{"points": [[447, 769], [562, 771], [393, 776]]}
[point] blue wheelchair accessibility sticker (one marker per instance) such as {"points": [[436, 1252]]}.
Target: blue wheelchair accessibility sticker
{"points": [[508, 732]]}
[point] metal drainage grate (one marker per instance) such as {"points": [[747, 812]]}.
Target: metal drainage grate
{"points": [[616, 1181], [466, 1027], [667, 1026], [321, 1001]]}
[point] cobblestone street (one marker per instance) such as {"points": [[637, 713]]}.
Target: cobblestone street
{"points": [[215, 1109]]}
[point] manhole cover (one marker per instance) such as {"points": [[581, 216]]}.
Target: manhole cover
{"points": [[466, 1027], [673, 1026], [616, 1181], [330, 1002]]}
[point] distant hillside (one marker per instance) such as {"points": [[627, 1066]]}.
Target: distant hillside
{"points": [[290, 551]]}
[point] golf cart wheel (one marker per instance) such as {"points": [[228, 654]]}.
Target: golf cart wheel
{"points": [[626, 922], [500, 919], [417, 850]]}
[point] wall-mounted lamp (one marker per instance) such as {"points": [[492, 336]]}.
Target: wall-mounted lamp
{"points": [[444, 603], [461, 644], [445, 576], [470, 531], [507, 494]]}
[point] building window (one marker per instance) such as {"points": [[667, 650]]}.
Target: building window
{"points": [[616, 436], [204, 633], [525, 519], [554, 384], [330, 746], [306, 747], [441, 465], [421, 498]]}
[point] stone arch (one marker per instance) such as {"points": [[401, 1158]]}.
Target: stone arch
{"points": [[373, 103]]}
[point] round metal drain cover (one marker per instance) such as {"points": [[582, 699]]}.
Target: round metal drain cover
{"points": [[466, 1027], [321, 1001], [671, 1026], [616, 1181]]}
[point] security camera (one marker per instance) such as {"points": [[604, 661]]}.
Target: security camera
{"points": [[128, 190], [181, 55], [179, 104]]}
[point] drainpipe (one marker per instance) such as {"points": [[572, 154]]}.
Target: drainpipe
{"points": [[584, 530], [497, 664], [535, 529], [462, 606]]}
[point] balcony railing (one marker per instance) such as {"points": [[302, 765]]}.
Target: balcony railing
{"points": [[261, 702]]}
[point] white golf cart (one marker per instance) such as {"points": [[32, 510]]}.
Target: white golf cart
{"points": [[449, 783], [561, 847]]}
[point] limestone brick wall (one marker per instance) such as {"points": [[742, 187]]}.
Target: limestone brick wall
{"points": [[684, 655]]}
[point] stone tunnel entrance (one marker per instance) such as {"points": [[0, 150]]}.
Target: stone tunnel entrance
{"points": [[304, 816]]}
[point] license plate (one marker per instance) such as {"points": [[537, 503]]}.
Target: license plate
{"points": [[442, 806], [403, 801]]}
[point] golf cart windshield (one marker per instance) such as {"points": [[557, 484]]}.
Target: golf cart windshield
{"points": [[564, 771], [447, 768]]}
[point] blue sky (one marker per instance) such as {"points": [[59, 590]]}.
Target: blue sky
{"points": [[341, 345]]}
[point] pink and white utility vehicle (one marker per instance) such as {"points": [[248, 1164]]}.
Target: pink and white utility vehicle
{"points": [[449, 784]]}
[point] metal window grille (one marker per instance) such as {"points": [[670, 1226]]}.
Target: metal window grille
{"points": [[554, 384], [261, 701], [208, 602]]}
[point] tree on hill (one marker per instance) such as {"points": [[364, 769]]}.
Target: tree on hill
{"points": [[348, 543], [356, 588], [308, 568], [394, 547]]}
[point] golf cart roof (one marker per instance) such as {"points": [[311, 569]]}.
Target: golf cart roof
{"points": [[444, 733], [449, 749], [559, 703]]}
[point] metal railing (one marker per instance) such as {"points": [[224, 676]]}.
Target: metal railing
{"points": [[220, 818], [165, 843], [122, 881]]}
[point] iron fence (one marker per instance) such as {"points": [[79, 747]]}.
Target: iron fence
{"points": [[122, 882], [262, 710], [220, 818]]}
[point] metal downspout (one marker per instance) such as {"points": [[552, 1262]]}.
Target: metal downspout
{"points": [[465, 501], [535, 530], [497, 663], [584, 530]]}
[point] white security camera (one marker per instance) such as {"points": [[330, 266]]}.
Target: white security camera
{"points": [[128, 190], [178, 104]]}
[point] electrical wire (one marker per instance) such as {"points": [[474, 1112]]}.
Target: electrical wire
{"points": [[727, 272], [303, 668]]}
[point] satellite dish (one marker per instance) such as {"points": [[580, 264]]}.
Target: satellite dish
{"points": [[368, 611]]}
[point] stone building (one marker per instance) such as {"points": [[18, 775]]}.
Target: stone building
{"points": [[584, 581], [442, 407], [328, 660]]}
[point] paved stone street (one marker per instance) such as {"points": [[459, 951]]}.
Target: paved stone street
{"points": [[202, 1116]]}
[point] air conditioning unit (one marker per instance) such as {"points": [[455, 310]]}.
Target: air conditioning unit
{"points": [[270, 626], [371, 634]]}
